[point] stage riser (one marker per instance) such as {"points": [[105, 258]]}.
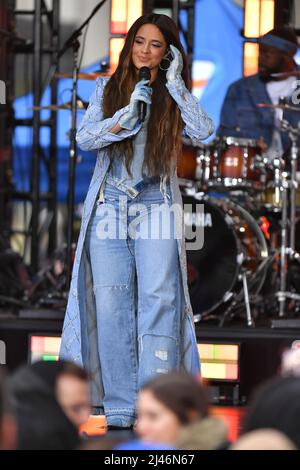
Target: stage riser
{"points": [[260, 352]]}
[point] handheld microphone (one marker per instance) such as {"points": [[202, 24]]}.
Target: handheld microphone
{"points": [[144, 74]]}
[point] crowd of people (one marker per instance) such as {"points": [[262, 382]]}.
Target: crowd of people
{"points": [[45, 404]]}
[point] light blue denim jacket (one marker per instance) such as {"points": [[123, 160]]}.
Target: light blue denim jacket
{"points": [[79, 336]]}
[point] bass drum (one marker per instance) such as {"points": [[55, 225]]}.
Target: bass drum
{"points": [[233, 244]]}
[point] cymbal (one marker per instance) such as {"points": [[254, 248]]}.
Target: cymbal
{"points": [[81, 106], [284, 107], [84, 76], [293, 73]]}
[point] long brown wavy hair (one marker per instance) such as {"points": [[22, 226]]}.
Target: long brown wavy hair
{"points": [[165, 124]]}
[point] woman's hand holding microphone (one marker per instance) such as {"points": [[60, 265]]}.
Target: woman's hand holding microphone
{"points": [[141, 92]]}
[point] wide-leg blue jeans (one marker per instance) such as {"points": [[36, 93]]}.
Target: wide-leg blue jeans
{"points": [[136, 280]]}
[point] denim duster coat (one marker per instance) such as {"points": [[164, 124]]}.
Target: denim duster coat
{"points": [[79, 337]]}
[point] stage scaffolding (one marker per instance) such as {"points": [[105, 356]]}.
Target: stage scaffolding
{"points": [[38, 50]]}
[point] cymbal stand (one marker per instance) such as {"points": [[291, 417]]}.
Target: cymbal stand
{"points": [[288, 224]]}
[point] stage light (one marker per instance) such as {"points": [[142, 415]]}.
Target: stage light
{"points": [[219, 361], [251, 50], [115, 47], [43, 348], [267, 15], [134, 11], [258, 19], [123, 14], [118, 17], [252, 18]]}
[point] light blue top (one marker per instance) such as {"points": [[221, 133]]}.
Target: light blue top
{"points": [[118, 171]]}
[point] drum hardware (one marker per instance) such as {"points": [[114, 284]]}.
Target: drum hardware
{"points": [[288, 222], [186, 183], [282, 296], [235, 166], [237, 299], [259, 162], [232, 260], [282, 106], [81, 106], [250, 321], [243, 299], [293, 73]]}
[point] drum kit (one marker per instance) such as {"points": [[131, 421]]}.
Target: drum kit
{"points": [[248, 266]]}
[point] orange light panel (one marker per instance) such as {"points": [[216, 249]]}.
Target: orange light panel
{"points": [[219, 361], [206, 351], [250, 58], [252, 18], [232, 372], [227, 352], [116, 45], [134, 11], [123, 14], [213, 371], [267, 13], [258, 19], [44, 348], [37, 344], [52, 344], [118, 17]]}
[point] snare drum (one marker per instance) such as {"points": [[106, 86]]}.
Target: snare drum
{"points": [[235, 163]]}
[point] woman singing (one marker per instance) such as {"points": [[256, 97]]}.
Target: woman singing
{"points": [[129, 315]]}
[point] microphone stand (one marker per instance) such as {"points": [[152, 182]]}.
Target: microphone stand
{"points": [[73, 43]]}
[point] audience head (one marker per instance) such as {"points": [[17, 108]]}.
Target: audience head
{"points": [[264, 439], [8, 430], [276, 405], [167, 404], [290, 364], [51, 400], [71, 387]]}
